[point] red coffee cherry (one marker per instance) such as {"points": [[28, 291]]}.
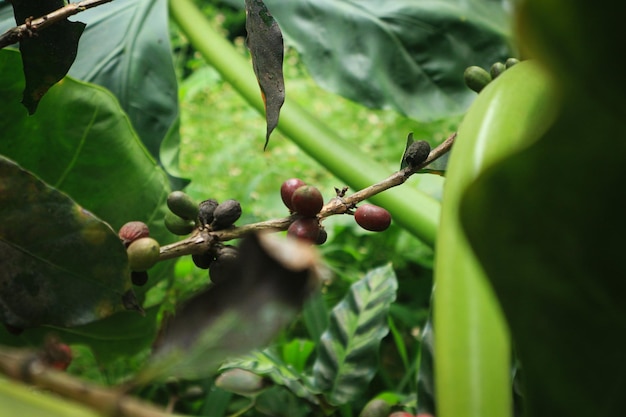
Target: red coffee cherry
{"points": [[307, 229], [307, 200], [132, 231], [373, 218], [287, 189]]}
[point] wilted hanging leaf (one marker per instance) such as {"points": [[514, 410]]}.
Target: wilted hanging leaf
{"points": [[348, 351], [265, 291], [265, 42], [59, 264], [47, 56]]}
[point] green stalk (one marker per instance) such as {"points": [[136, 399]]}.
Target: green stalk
{"points": [[411, 209]]}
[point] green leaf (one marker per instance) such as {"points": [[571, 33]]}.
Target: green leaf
{"points": [[21, 400], [48, 55], [269, 364], [60, 264], [265, 42], [546, 223], [89, 151], [348, 354], [471, 335], [401, 54]]}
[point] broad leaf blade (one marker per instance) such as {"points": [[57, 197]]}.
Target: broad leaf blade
{"points": [[69, 268], [404, 54], [267, 363], [48, 55], [263, 293], [265, 42], [348, 353]]}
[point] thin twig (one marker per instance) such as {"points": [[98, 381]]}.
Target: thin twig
{"points": [[202, 240], [24, 365], [33, 26]]}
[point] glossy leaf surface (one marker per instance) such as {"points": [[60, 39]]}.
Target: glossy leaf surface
{"points": [[406, 55], [68, 268], [348, 351], [551, 244]]}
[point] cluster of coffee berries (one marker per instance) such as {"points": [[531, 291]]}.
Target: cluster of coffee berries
{"points": [[220, 260], [305, 201], [185, 214], [477, 78], [142, 250]]}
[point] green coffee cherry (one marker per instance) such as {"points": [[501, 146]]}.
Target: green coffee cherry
{"points": [[241, 381], [178, 225], [376, 408], [143, 254], [182, 205], [497, 69], [476, 78], [510, 62]]}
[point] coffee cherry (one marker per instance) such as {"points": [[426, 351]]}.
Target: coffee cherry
{"points": [[322, 237], [476, 78], [510, 62], [287, 189], [416, 153], [241, 382], [400, 414], [376, 408], [203, 260], [143, 254], [177, 225], [226, 214], [139, 278], [206, 210], [132, 231], [373, 218], [307, 200], [496, 69], [307, 229], [224, 265], [58, 355], [182, 205]]}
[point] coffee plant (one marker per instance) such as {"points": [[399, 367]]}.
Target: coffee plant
{"points": [[97, 220]]}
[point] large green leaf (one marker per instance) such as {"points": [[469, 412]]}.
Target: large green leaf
{"points": [[60, 264], [348, 353], [546, 223], [401, 54], [472, 349], [81, 142], [125, 48]]}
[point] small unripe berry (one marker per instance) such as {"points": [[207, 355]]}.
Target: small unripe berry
{"points": [[132, 231], [287, 188], [476, 78], [496, 69], [182, 205], [400, 414], [143, 254], [177, 225], [376, 408], [307, 200], [307, 229], [373, 218]]}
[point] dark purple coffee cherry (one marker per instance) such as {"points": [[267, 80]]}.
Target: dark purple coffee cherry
{"points": [[307, 229], [307, 200], [139, 278], [203, 260], [287, 189], [373, 218], [226, 214], [206, 209]]}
